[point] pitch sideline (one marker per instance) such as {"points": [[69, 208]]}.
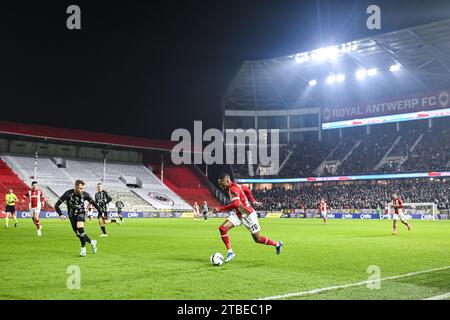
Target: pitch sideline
{"points": [[349, 285], [439, 297]]}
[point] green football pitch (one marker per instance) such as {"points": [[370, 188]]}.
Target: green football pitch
{"points": [[169, 259]]}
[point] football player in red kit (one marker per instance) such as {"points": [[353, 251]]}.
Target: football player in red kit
{"points": [[242, 213], [36, 202], [397, 203], [324, 210]]}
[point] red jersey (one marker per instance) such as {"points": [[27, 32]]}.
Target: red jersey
{"points": [[35, 198], [196, 208], [397, 204], [239, 201], [323, 207]]}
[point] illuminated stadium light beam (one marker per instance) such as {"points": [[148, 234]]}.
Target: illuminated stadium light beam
{"points": [[331, 79], [312, 83], [340, 77], [325, 53], [394, 68], [301, 57], [372, 72], [361, 74]]}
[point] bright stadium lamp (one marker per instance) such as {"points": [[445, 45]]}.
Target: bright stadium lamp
{"points": [[325, 53], [331, 79], [394, 68], [372, 72], [340, 77], [301, 57], [361, 74], [312, 83]]}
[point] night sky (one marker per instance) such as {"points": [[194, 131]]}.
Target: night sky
{"points": [[145, 68]]}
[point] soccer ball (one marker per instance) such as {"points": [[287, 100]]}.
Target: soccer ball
{"points": [[216, 259]]}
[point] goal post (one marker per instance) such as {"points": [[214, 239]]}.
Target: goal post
{"points": [[423, 208]]}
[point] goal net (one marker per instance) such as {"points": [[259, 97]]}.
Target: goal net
{"points": [[416, 208]]}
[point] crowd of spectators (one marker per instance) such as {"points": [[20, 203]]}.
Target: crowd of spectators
{"points": [[431, 154], [367, 155], [355, 196], [305, 158]]}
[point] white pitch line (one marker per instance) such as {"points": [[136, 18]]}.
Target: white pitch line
{"points": [[349, 285], [440, 297]]}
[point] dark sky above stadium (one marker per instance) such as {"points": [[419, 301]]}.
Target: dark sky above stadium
{"points": [[145, 68]]}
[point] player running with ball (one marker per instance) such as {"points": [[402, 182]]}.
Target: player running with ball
{"points": [[242, 213], [397, 203]]}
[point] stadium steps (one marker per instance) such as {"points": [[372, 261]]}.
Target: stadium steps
{"points": [[410, 151], [320, 169], [184, 182], [416, 143], [355, 146], [286, 159], [383, 160], [9, 180]]}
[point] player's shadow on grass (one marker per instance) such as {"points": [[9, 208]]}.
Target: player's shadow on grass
{"points": [[241, 264]]}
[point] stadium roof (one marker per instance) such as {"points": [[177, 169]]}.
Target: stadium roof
{"points": [[422, 53], [70, 135]]}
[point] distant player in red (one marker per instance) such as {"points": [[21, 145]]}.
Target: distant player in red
{"points": [[36, 202], [242, 213], [196, 211], [397, 203], [323, 207]]}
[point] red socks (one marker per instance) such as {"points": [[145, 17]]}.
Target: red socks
{"points": [[37, 223], [225, 238], [267, 241]]}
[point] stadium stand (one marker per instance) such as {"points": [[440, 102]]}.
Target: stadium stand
{"points": [[432, 153], [57, 179], [367, 155], [9, 180], [306, 157], [187, 184], [414, 149], [355, 196]]}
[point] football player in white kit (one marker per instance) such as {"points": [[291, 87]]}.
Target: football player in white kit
{"points": [[90, 211]]}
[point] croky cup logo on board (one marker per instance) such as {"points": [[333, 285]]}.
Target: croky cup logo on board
{"points": [[161, 198]]}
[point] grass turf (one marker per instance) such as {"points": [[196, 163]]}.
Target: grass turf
{"points": [[169, 259]]}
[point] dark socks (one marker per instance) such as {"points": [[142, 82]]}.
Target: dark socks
{"points": [[82, 236]]}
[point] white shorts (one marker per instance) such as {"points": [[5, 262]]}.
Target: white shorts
{"points": [[324, 214], [35, 211], [400, 216], [250, 221]]}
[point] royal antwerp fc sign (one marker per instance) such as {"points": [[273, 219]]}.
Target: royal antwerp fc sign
{"points": [[429, 101]]}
